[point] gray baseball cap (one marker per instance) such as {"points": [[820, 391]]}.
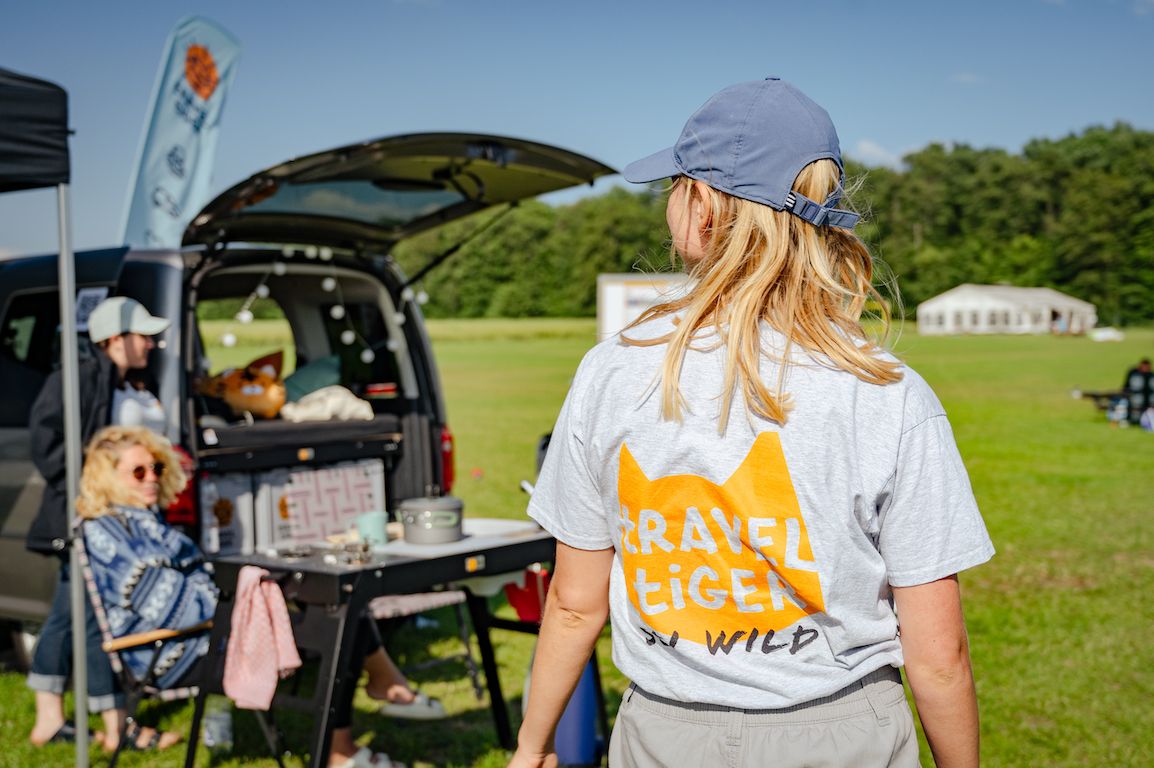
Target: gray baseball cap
{"points": [[121, 314], [751, 140]]}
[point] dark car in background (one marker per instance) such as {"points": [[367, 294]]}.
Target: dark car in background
{"points": [[313, 237]]}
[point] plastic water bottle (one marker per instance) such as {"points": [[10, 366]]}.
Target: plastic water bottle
{"points": [[218, 725]]}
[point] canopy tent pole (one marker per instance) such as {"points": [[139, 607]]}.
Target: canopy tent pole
{"points": [[34, 155], [69, 363]]}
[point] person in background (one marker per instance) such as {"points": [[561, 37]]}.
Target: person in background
{"points": [[1139, 389], [155, 577], [753, 491], [123, 332]]}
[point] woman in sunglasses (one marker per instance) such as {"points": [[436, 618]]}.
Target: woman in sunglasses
{"points": [[151, 576]]}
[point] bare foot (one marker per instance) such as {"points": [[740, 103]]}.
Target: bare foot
{"points": [[397, 693], [42, 733], [40, 737]]}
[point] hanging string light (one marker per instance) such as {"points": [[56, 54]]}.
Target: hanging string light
{"points": [[338, 311], [349, 335], [244, 315]]}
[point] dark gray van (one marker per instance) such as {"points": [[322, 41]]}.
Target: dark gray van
{"points": [[313, 236]]}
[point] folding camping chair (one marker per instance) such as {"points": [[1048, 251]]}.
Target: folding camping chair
{"points": [[135, 690]]}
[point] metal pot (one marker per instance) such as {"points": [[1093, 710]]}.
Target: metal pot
{"points": [[432, 520]]}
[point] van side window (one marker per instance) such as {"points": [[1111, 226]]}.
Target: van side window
{"points": [[27, 352]]}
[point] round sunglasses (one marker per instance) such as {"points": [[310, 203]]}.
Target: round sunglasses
{"points": [[141, 471]]}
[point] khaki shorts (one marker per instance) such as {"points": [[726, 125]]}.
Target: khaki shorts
{"points": [[864, 725]]}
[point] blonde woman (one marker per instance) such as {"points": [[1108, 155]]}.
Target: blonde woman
{"points": [[151, 576], [753, 491]]}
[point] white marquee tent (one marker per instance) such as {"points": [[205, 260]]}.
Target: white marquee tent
{"points": [[970, 308]]}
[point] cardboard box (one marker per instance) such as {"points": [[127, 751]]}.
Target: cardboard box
{"points": [[272, 512], [306, 504], [226, 514]]}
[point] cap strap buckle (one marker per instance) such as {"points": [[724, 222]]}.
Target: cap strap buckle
{"points": [[818, 215]]}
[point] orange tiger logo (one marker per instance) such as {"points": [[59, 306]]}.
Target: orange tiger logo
{"points": [[705, 560]]}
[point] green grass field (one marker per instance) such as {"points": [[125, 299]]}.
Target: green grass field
{"points": [[1060, 620]]}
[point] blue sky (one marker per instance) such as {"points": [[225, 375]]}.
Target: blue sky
{"points": [[614, 80]]}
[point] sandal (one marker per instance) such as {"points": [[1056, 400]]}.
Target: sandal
{"points": [[420, 708], [66, 734], [152, 743], [366, 758]]}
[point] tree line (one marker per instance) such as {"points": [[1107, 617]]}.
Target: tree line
{"points": [[1075, 214]]}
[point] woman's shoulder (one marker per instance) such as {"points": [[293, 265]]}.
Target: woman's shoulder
{"points": [[918, 400]]}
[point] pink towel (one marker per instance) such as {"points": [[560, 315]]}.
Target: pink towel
{"points": [[261, 648]]}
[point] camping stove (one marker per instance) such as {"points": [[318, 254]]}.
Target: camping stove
{"points": [[357, 554]]}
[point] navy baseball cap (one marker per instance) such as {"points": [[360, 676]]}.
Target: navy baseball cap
{"points": [[751, 140]]}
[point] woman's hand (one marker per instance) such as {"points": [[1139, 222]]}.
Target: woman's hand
{"points": [[527, 759]]}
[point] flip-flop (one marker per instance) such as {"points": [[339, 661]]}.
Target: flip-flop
{"points": [[66, 734], [420, 708], [366, 758], [151, 744]]}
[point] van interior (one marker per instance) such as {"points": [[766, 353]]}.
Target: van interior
{"points": [[347, 396]]}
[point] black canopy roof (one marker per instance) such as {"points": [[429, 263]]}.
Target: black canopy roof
{"points": [[33, 133]]}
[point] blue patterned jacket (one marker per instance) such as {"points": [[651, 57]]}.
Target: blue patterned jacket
{"points": [[150, 576]]}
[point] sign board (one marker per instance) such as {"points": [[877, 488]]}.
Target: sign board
{"points": [[621, 298], [86, 301]]}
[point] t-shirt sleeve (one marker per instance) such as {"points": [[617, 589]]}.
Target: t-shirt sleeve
{"points": [[566, 500], [930, 526]]}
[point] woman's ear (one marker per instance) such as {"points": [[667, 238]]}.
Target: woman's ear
{"points": [[701, 207]]}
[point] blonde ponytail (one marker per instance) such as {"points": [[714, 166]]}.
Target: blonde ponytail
{"points": [[811, 284]]}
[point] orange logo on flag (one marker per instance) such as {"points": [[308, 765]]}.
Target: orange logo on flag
{"points": [[703, 559], [200, 71]]}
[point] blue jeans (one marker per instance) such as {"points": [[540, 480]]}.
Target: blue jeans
{"points": [[52, 659]]}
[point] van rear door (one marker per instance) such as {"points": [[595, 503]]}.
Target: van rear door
{"points": [[378, 193]]}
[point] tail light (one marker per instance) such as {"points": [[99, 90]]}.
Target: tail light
{"points": [[448, 470], [182, 510]]}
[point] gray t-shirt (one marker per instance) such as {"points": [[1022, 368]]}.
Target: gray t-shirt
{"points": [[754, 569]]}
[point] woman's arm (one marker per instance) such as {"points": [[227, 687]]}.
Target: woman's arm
{"points": [[937, 660], [575, 611]]}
